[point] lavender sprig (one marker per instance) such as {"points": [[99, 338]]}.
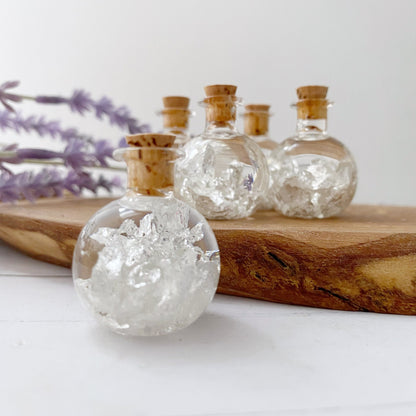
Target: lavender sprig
{"points": [[48, 183], [81, 151], [77, 154], [6, 96], [80, 102], [39, 125]]}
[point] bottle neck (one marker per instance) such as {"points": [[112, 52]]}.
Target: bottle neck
{"points": [[175, 130], [311, 127], [312, 117], [221, 113], [220, 125], [256, 123], [150, 171], [175, 120]]}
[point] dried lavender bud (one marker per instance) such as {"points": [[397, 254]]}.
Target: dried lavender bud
{"points": [[39, 125], [7, 96], [103, 150], [45, 99], [48, 183], [80, 102], [77, 154]]}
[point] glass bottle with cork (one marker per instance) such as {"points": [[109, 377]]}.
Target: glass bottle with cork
{"points": [[256, 126], [176, 114], [224, 172], [314, 175], [147, 263]]}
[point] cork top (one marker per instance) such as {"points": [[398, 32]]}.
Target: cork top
{"points": [[256, 119], [220, 89], [176, 102], [312, 92], [257, 107], [312, 102], [150, 167], [150, 140]]}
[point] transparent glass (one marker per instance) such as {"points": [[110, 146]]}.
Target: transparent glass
{"points": [[223, 172], [182, 135], [313, 174], [267, 145], [146, 265]]}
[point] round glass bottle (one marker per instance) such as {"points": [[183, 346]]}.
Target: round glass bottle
{"points": [[314, 175], [223, 172], [256, 126], [176, 115], [147, 263]]}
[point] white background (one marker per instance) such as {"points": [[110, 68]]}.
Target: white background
{"points": [[138, 51]]}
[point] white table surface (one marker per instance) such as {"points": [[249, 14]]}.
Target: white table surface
{"points": [[243, 357]]}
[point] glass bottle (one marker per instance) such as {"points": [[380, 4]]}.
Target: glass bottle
{"points": [[313, 175], [147, 263], [176, 118], [223, 172], [256, 126]]}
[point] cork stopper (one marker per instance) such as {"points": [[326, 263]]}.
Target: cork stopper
{"points": [[175, 113], [257, 107], [176, 102], [221, 103], [220, 89], [150, 140], [312, 102], [256, 119], [150, 168], [311, 92]]}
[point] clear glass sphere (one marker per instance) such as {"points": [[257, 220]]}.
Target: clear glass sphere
{"points": [[222, 174], [312, 177], [146, 265]]}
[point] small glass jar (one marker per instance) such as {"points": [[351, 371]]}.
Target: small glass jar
{"points": [[313, 174], [223, 172], [256, 126], [147, 263], [176, 116]]}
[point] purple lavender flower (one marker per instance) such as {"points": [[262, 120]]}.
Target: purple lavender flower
{"points": [[81, 151], [248, 182], [7, 96], [40, 154], [122, 142], [80, 102], [39, 125], [50, 99], [48, 183], [102, 107], [77, 154], [102, 151]]}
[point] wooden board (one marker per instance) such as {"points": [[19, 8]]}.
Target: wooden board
{"points": [[364, 260]]}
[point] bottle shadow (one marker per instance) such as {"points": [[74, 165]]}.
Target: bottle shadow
{"points": [[213, 338]]}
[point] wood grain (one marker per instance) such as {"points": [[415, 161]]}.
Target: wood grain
{"points": [[364, 260]]}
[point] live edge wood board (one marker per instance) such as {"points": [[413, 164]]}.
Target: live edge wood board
{"points": [[365, 260]]}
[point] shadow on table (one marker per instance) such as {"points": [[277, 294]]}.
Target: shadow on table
{"points": [[212, 338]]}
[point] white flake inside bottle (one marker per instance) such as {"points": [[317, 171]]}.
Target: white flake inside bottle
{"points": [[147, 263]]}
